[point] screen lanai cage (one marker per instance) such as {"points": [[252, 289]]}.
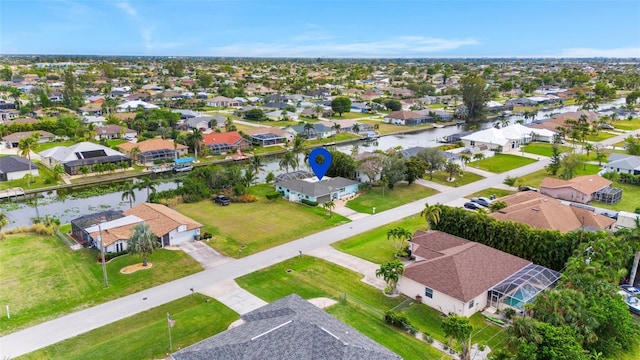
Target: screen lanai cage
{"points": [[608, 195], [522, 287]]}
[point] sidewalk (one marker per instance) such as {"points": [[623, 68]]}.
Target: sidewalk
{"points": [[232, 295]]}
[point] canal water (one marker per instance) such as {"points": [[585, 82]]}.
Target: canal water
{"points": [[20, 213]]}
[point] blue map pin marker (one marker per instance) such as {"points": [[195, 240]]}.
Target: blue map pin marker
{"points": [[320, 160]]}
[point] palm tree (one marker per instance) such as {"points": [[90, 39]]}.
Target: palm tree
{"points": [[307, 129], [257, 164], [26, 146], [452, 168], [464, 159], [478, 156], [391, 272], [356, 128], [249, 177], [288, 160], [129, 192], [146, 183], [143, 241], [431, 214], [196, 137], [134, 154], [84, 170], [58, 170], [336, 127], [297, 147], [399, 235], [4, 221], [329, 206], [318, 110]]}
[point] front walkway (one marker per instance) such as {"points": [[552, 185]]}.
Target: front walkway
{"points": [[232, 295], [364, 267], [204, 254], [342, 209]]}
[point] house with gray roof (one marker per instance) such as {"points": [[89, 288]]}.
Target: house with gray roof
{"points": [[623, 163], [15, 167], [318, 131], [81, 154], [319, 191], [288, 329]]}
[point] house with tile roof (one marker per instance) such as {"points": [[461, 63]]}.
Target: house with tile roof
{"points": [[409, 118], [154, 150], [315, 190], [225, 142], [455, 275], [544, 212], [581, 189], [287, 329], [116, 227]]}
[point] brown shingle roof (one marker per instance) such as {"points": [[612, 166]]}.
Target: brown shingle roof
{"points": [[544, 212], [161, 218], [587, 184], [464, 269], [403, 115]]}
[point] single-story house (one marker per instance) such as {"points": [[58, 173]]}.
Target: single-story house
{"points": [[225, 142], [348, 125], [82, 154], [369, 164], [510, 138], [278, 115], [581, 189], [287, 329], [560, 120], [199, 122], [152, 150], [320, 191], [544, 212], [115, 228], [317, 130], [133, 105], [222, 101], [265, 136], [12, 140], [409, 118], [455, 275], [114, 132], [623, 163], [14, 167]]}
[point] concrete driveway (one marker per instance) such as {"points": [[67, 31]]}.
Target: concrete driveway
{"points": [[204, 254]]}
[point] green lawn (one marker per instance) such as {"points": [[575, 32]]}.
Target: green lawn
{"points": [[491, 191], [145, 335], [627, 124], [270, 222], [45, 178], [350, 116], [500, 163], [52, 144], [361, 306], [42, 278], [384, 128], [535, 178], [630, 198], [115, 142], [373, 245], [400, 194], [343, 136], [599, 137], [442, 177], [544, 149]]}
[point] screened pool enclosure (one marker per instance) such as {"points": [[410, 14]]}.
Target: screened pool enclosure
{"points": [[522, 287]]}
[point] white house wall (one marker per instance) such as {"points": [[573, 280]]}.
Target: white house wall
{"points": [[440, 301], [17, 175], [176, 237]]}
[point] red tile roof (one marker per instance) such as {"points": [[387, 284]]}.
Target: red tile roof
{"points": [[230, 138]]}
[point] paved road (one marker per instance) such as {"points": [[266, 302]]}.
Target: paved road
{"points": [[39, 336]]}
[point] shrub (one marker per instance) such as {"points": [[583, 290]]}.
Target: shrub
{"points": [[207, 235], [400, 321], [273, 196], [428, 338], [309, 202], [248, 198], [509, 313]]}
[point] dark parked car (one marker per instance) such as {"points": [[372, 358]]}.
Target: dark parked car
{"points": [[482, 201], [222, 200], [472, 206]]}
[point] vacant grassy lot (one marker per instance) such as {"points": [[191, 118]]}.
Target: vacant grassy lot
{"points": [[627, 124], [361, 306], [350, 116], [442, 177], [41, 278], [373, 245], [52, 144], [270, 222], [385, 199], [544, 149], [343, 136], [145, 335], [500, 163], [535, 178], [491, 191], [384, 128], [599, 136]]}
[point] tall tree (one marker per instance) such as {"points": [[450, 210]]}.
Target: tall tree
{"points": [[393, 169], [342, 165], [431, 214], [341, 105], [146, 183], [26, 146], [400, 237], [288, 160], [196, 137], [391, 271], [143, 241], [129, 193], [459, 328], [433, 158], [329, 206], [474, 96], [297, 147]]}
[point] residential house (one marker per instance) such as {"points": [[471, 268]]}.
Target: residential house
{"points": [[455, 275], [152, 150], [560, 120], [509, 138], [14, 167], [287, 329], [81, 154], [544, 212], [358, 107], [278, 115], [114, 132], [623, 163], [317, 131], [368, 164], [348, 125], [12, 140], [199, 122], [266, 136], [222, 101], [134, 105], [225, 142], [95, 120], [112, 229], [581, 189], [91, 109], [408, 118], [319, 191]]}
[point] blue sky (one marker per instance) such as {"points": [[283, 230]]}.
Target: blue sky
{"points": [[329, 28]]}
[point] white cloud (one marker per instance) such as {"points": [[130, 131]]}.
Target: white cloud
{"points": [[403, 46], [127, 8], [613, 53]]}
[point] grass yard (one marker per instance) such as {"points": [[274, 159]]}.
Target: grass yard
{"points": [[385, 129], [42, 278], [52, 144], [350, 116], [535, 178], [630, 198], [343, 136], [442, 177], [627, 124], [491, 191], [145, 335], [544, 149], [115, 142], [599, 137], [401, 194], [363, 306], [373, 245], [500, 163], [45, 178], [270, 222]]}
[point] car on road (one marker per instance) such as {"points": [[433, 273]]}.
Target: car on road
{"points": [[222, 200], [472, 206], [482, 201], [630, 289]]}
